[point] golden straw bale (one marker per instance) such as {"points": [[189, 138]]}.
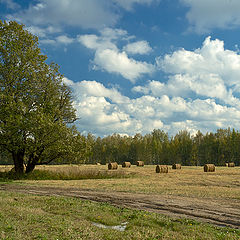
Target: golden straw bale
{"points": [[231, 164], [112, 166], [209, 168], [176, 166], [140, 163], [126, 164], [161, 169]]}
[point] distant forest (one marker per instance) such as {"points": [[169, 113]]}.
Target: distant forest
{"points": [[156, 148]]}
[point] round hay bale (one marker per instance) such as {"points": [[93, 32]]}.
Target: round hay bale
{"points": [[161, 169], [176, 166], [140, 163], [231, 164], [209, 168], [112, 166], [126, 164]]}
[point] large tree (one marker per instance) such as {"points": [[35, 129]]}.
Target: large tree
{"points": [[35, 105]]}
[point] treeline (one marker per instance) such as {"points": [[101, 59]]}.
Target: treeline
{"points": [[155, 148], [158, 148]]}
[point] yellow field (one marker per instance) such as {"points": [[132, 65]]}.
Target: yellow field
{"points": [[190, 182]]}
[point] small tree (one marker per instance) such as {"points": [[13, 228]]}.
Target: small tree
{"points": [[35, 104]]}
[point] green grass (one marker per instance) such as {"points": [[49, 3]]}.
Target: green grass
{"points": [[38, 217]]}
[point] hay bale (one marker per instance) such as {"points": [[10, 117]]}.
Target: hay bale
{"points": [[161, 169], [231, 164], [140, 163], [112, 166], [209, 168], [176, 166], [126, 164]]}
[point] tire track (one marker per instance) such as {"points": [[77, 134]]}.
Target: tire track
{"points": [[217, 212]]}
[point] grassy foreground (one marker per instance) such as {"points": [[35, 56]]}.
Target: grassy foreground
{"points": [[37, 217], [40, 217]]}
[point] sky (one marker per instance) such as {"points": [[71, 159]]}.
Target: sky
{"points": [[138, 65]]}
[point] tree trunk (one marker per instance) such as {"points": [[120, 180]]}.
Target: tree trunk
{"points": [[32, 161], [30, 167], [18, 161]]}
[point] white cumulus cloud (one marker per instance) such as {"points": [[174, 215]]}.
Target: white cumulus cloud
{"points": [[64, 39], [140, 47], [118, 62], [105, 111], [210, 71], [109, 58]]}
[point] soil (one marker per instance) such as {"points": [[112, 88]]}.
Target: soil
{"points": [[215, 211]]}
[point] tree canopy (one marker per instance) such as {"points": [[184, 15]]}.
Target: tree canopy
{"points": [[35, 104], [159, 148]]}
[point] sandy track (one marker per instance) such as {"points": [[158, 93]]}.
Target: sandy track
{"points": [[218, 212]]}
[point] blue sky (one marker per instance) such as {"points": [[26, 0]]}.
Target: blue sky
{"points": [[139, 65]]}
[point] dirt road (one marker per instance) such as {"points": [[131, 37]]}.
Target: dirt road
{"points": [[214, 211]]}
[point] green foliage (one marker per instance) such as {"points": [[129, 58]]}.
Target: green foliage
{"points": [[5, 157], [35, 104], [157, 148]]}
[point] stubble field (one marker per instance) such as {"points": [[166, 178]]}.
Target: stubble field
{"points": [[190, 198]]}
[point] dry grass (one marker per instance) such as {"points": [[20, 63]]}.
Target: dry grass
{"points": [[189, 182], [5, 168], [65, 172]]}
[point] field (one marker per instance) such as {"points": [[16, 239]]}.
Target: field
{"points": [[189, 198]]}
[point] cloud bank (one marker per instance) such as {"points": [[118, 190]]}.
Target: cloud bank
{"points": [[92, 14], [105, 111], [210, 71], [205, 15], [199, 95]]}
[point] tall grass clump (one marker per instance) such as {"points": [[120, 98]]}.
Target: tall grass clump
{"points": [[67, 174]]}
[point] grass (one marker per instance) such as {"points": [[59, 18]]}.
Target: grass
{"points": [[71, 172], [187, 182], [37, 217], [41, 217]]}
